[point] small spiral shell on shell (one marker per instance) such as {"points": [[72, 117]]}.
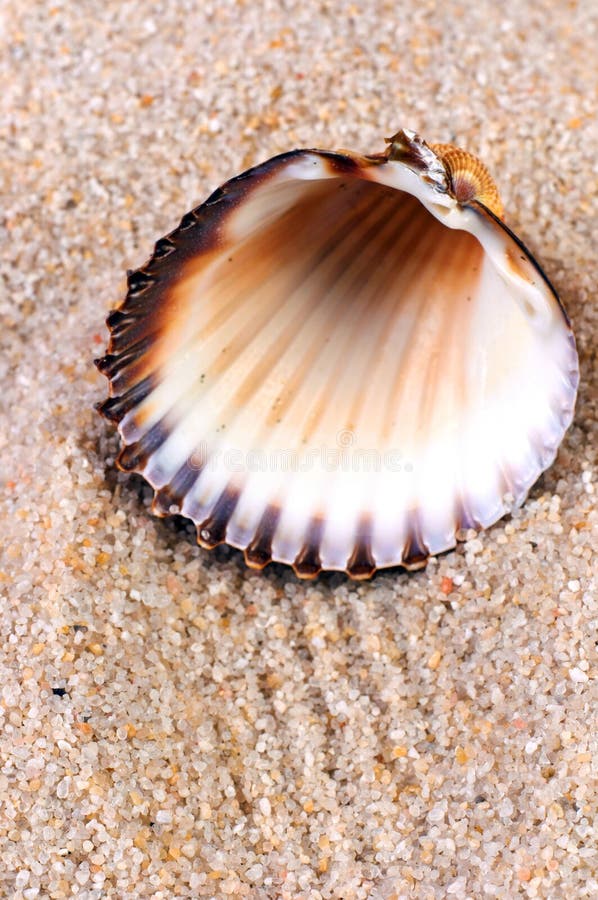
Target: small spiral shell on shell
{"points": [[469, 178]]}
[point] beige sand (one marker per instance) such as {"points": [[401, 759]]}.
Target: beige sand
{"points": [[173, 725]]}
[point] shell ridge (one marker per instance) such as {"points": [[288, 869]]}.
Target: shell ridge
{"points": [[173, 494], [258, 552], [212, 530], [134, 456], [415, 552], [362, 564], [308, 563], [115, 408]]}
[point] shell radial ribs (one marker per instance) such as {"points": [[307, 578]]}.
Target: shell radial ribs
{"points": [[342, 361]]}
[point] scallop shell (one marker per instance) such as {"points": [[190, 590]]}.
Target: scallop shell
{"points": [[341, 362]]}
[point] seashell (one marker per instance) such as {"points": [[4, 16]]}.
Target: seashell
{"points": [[342, 362]]}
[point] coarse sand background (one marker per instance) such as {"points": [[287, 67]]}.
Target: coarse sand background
{"points": [[172, 724]]}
